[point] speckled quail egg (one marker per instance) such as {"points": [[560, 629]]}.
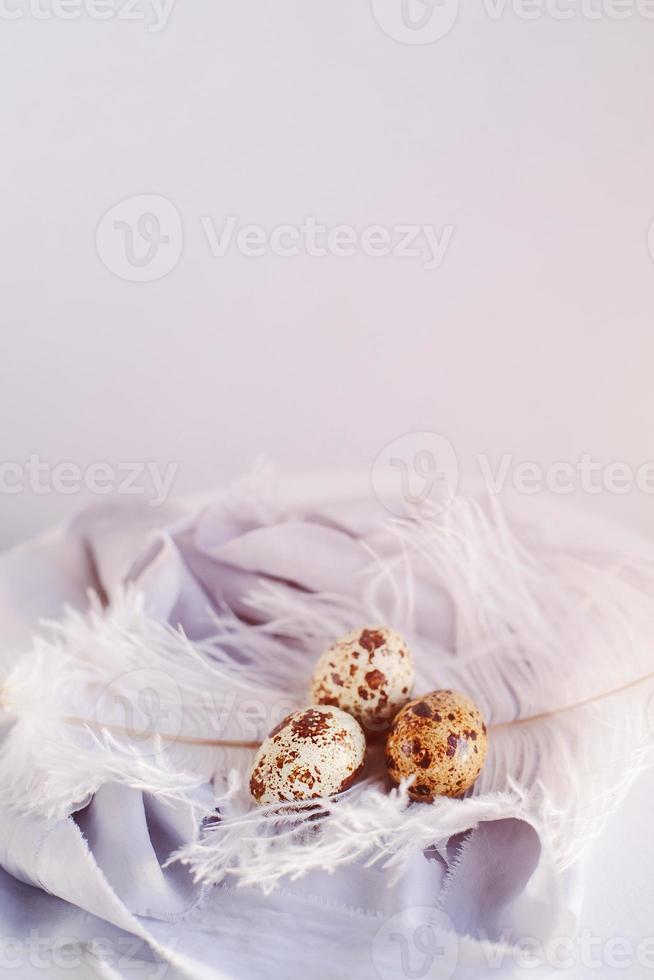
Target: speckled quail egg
{"points": [[316, 752], [441, 740], [368, 673]]}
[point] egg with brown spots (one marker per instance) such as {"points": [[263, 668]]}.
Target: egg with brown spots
{"points": [[440, 740], [311, 753], [369, 673]]}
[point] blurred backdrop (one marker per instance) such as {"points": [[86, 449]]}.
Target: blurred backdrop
{"points": [[301, 231]]}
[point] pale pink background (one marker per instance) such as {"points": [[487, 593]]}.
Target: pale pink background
{"points": [[534, 139]]}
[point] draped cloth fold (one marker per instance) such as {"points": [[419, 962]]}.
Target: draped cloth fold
{"points": [[89, 895]]}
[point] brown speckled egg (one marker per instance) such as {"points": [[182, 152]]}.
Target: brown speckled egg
{"points": [[312, 753], [441, 740], [368, 673]]}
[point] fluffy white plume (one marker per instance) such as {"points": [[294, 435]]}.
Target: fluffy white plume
{"points": [[558, 653], [114, 696], [261, 846]]}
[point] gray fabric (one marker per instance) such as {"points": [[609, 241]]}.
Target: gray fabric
{"points": [[99, 875]]}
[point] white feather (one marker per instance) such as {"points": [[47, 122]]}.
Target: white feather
{"points": [[261, 846], [113, 695], [557, 651]]}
